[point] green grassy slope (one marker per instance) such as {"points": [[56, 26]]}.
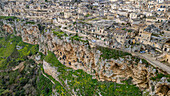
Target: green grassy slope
{"points": [[85, 85]]}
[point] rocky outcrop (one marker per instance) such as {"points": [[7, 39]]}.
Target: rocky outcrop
{"points": [[163, 87], [79, 55], [8, 28], [50, 70]]}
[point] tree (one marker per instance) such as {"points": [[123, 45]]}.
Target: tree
{"points": [[47, 90]]}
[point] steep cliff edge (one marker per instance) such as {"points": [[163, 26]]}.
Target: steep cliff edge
{"points": [[77, 54]]}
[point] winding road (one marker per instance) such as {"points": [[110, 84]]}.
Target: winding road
{"points": [[153, 61]]}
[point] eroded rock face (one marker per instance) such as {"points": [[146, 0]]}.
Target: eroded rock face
{"points": [[30, 34], [163, 87], [78, 56], [8, 28]]}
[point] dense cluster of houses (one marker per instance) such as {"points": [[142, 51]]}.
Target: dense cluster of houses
{"points": [[132, 25]]}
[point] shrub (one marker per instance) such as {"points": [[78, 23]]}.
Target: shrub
{"points": [[11, 18], [34, 49], [108, 53], [29, 22], [41, 28], [159, 76]]}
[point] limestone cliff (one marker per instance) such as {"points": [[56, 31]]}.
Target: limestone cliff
{"points": [[79, 55]]}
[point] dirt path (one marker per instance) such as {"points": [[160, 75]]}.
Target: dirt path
{"points": [[19, 66], [47, 77]]}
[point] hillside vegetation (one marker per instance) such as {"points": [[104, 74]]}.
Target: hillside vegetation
{"points": [[26, 80], [83, 84]]}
